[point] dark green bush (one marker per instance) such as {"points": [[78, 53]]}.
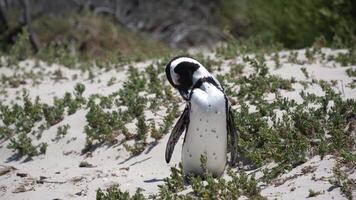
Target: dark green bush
{"points": [[114, 193], [23, 145], [295, 24], [103, 126], [54, 114]]}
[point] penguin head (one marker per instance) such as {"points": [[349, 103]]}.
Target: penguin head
{"points": [[183, 72]]}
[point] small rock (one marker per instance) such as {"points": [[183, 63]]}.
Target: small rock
{"points": [[79, 193], [125, 168], [66, 153], [86, 164], [6, 170], [21, 174], [41, 180], [77, 179], [20, 189]]}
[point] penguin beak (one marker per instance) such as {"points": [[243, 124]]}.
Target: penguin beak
{"points": [[184, 94]]}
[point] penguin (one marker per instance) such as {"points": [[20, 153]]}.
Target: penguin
{"points": [[207, 119]]}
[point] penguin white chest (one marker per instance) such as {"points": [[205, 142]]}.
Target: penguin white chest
{"points": [[207, 132]]}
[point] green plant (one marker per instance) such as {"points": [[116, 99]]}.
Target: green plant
{"points": [[351, 72], [263, 19], [42, 148], [276, 60], [85, 164], [288, 139], [305, 72], [13, 81], [103, 127], [259, 82], [111, 81], [22, 48], [60, 53], [142, 128], [348, 58], [155, 134], [174, 183], [114, 193], [136, 149], [54, 114], [313, 193], [79, 90], [235, 186], [62, 131], [21, 119], [155, 83], [5, 132], [23, 145], [168, 120], [341, 180], [129, 94], [72, 104], [235, 47]]}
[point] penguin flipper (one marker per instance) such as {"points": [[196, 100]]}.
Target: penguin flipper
{"points": [[233, 136], [177, 132]]}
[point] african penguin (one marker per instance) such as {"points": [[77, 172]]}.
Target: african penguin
{"points": [[207, 118]]}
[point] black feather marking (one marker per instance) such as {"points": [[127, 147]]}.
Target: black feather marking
{"points": [[177, 131], [208, 79], [168, 69], [185, 69]]}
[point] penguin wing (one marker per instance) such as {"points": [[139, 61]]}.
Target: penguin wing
{"points": [[177, 132], [231, 129]]}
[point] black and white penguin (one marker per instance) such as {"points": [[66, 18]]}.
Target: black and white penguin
{"points": [[207, 118]]}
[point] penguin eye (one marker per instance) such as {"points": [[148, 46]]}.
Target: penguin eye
{"points": [[176, 79]]}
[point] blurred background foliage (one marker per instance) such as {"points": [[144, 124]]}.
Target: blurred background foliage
{"points": [[295, 24], [148, 28]]}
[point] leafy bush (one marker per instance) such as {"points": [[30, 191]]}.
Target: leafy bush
{"points": [[351, 72], [99, 37], [22, 48], [312, 127], [23, 145], [295, 24], [348, 58], [114, 193], [174, 183], [74, 104], [343, 181], [54, 114], [22, 117], [62, 131], [129, 94], [5, 132], [103, 126], [235, 186], [136, 149]]}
